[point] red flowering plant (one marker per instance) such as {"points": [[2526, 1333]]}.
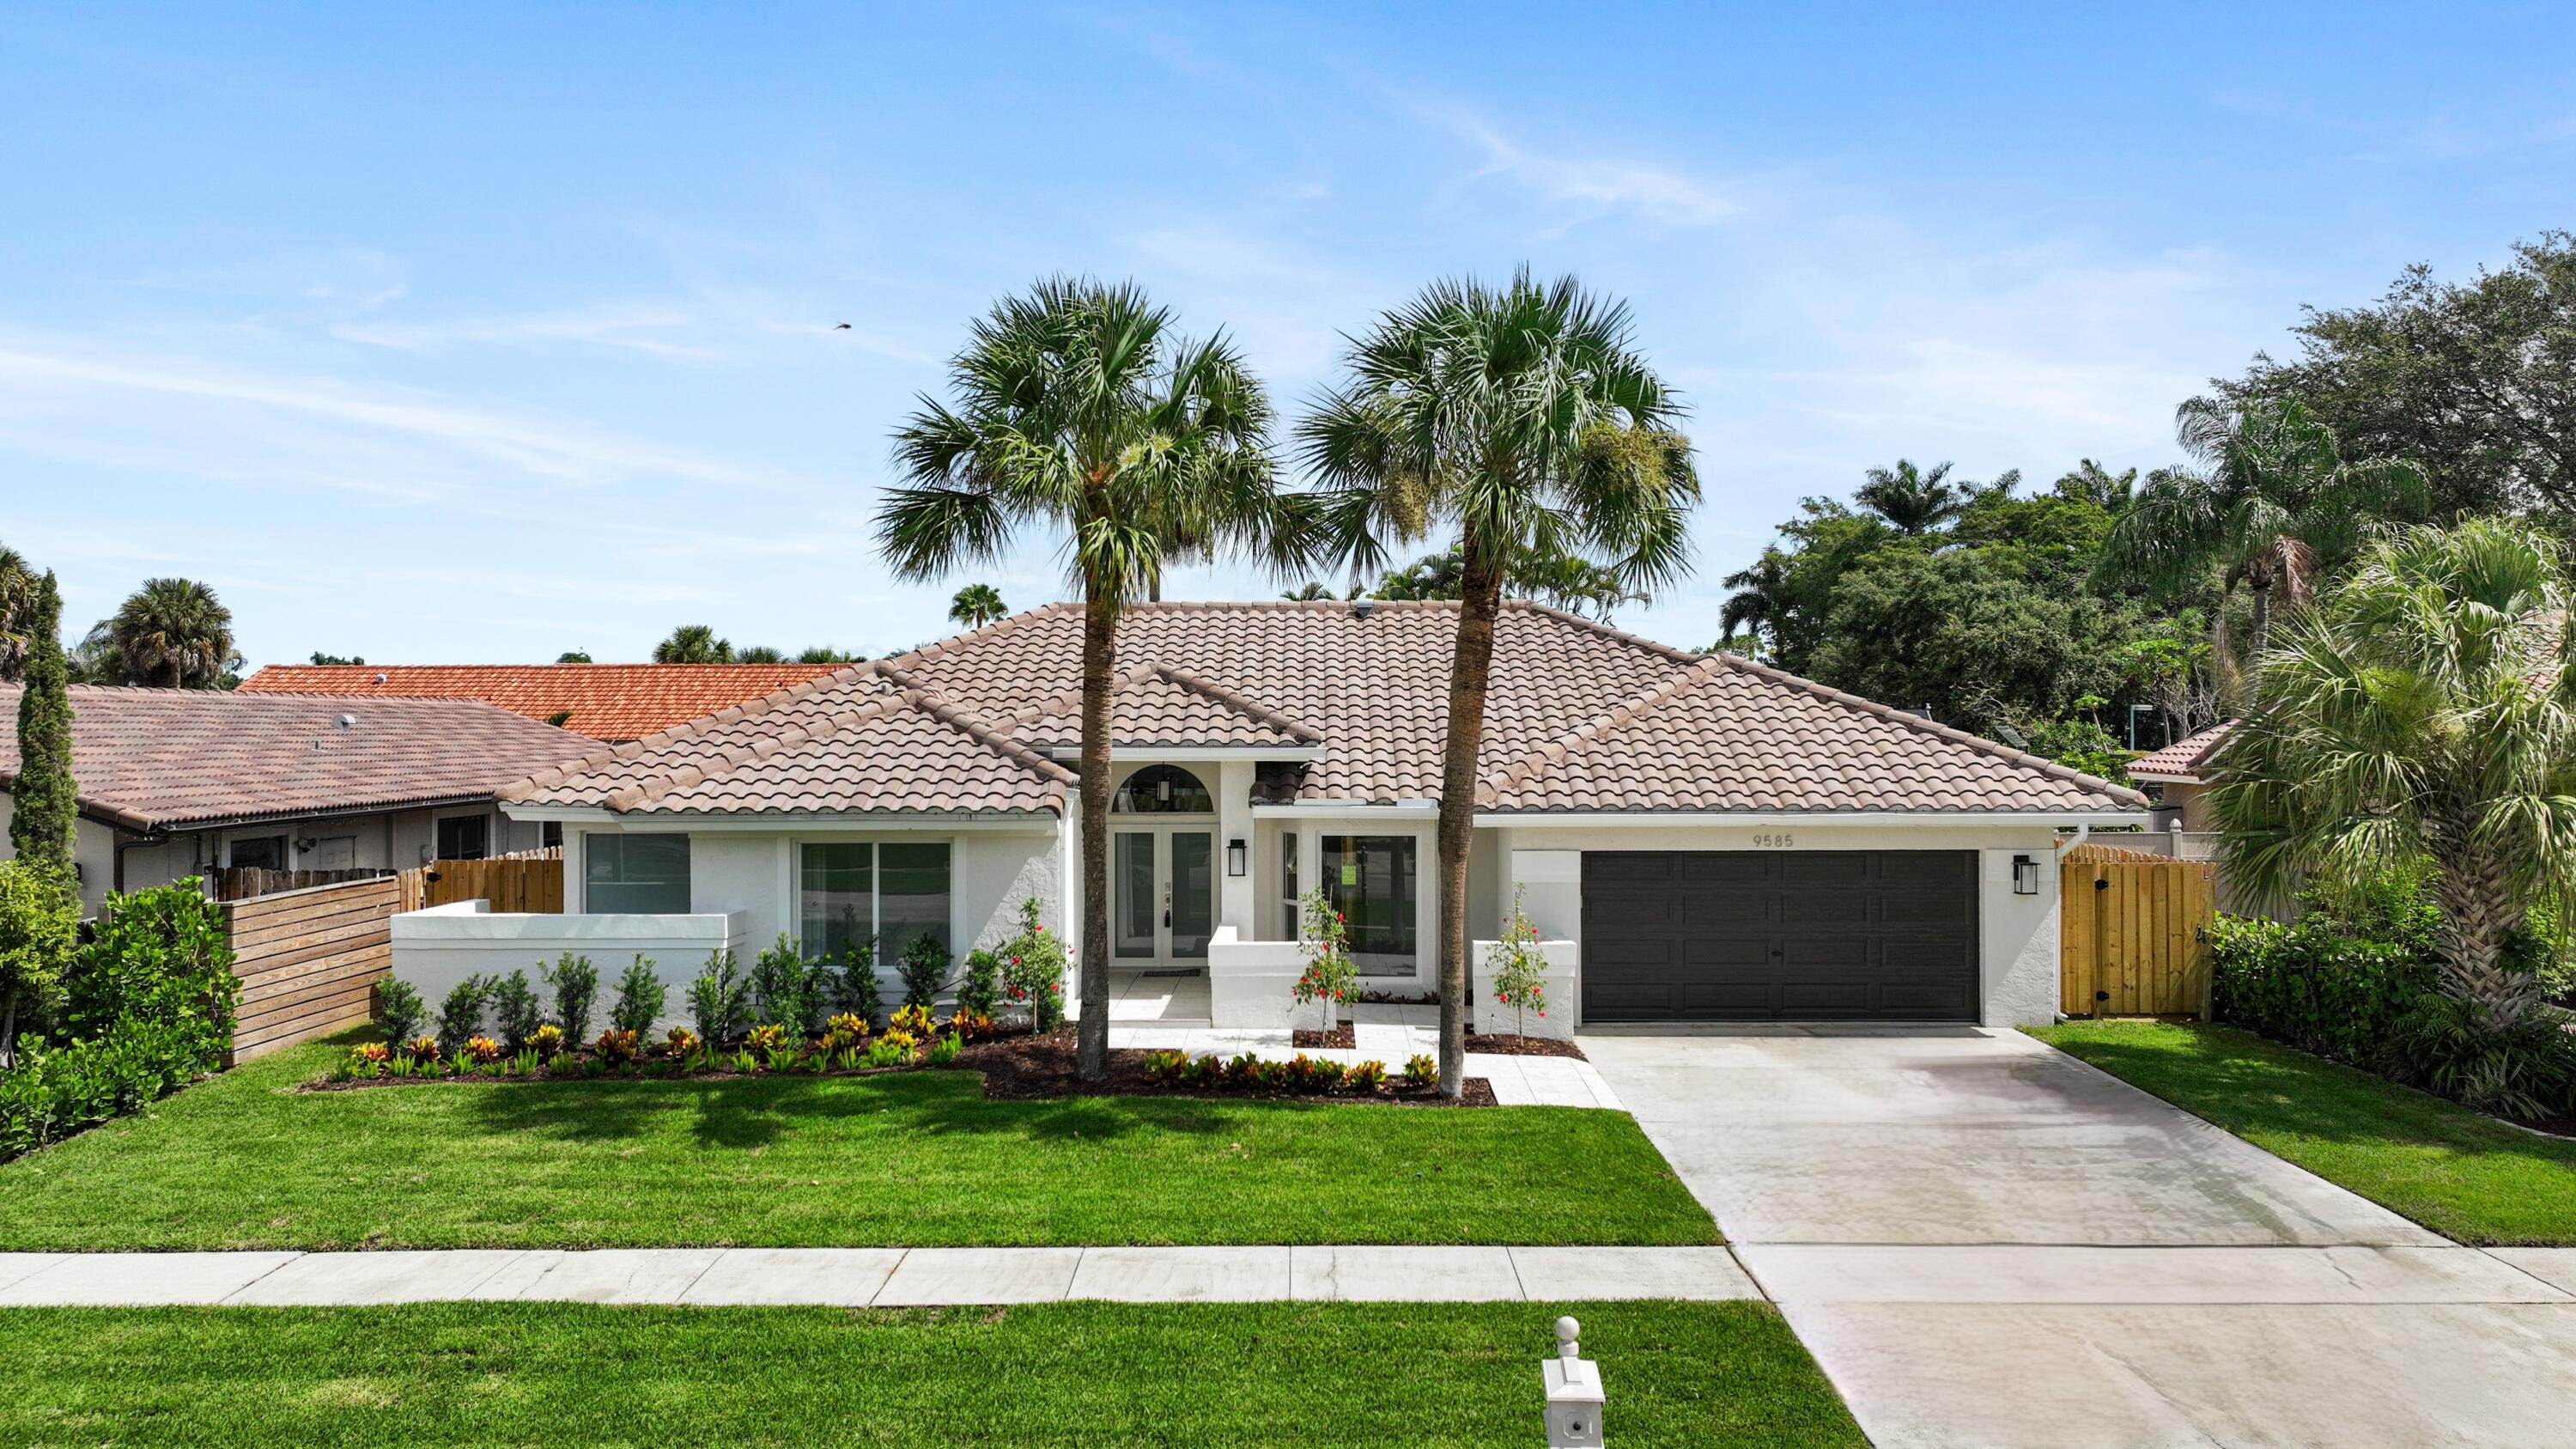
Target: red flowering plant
{"points": [[1325, 939], [1519, 969], [1033, 967]]}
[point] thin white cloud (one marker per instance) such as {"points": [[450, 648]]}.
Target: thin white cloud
{"points": [[635, 328], [1592, 186]]}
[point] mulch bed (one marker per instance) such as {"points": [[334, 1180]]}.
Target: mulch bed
{"points": [[1019, 1068], [1502, 1046]]}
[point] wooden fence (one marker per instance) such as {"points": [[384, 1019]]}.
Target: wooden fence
{"points": [[2133, 933], [308, 960], [242, 882], [531, 881]]}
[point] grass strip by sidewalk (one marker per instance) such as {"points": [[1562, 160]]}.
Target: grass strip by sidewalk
{"points": [[919, 1159], [1200, 1375], [2454, 1171]]}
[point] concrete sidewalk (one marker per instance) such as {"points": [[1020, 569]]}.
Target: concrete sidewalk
{"points": [[874, 1277], [1985, 1242]]}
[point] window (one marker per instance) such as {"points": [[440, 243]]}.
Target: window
{"points": [[635, 875], [465, 837], [848, 890], [257, 852], [333, 852], [549, 835], [1162, 790], [1370, 880]]}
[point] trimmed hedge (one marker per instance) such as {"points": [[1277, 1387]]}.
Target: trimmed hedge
{"points": [[148, 1006], [2314, 986]]}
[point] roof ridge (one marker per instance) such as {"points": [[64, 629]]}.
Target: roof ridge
{"points": [[1913, 721], [733, 757], [553, 775], [1530, 763], [1608, 631], [937, 648], [984, 735], [1240, 703]]}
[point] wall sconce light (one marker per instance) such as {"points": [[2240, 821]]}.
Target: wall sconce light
{"points": [[2025, 876], [1234, 857]]}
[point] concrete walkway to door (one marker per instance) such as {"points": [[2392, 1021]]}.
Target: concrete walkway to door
{"points": [[1986, 1242]]}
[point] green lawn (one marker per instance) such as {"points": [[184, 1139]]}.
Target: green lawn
{"points": [[1200, 1375], [2436, 1162], [916, 1159]]}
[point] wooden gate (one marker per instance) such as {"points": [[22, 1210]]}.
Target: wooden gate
{"points": [[531, 882], [2133, 933]]}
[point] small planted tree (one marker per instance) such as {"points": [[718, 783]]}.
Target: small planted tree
{"points": [[516, 1013], [45, 817], [575, 983], [788, 988], [640, 996], [1325, 939], [399, 1011], [1520, 970], [38, 918], [460, 1016], [924, 969], [852, 985], [979, 990], [1033, 964]]}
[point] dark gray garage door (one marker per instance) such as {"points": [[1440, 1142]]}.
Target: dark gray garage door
{"points": [[1780, 935]]}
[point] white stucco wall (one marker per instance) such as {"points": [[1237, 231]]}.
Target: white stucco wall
{"points": [[2017, 935], [435, 949]]}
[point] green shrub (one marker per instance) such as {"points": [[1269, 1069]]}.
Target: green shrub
{"points": [[720, 1000], [640, 995], [851, 982], [944, 1049], [460, 1016], [2315, 986], [1165, 1066], [575, 983], [789, 989], [399, 1009], [53, 1092], [516, 1014], [39, 922], [1421, 1073], [924, 969], [979, 990], [161, 956], [2526, 1071], [1033, 967]]}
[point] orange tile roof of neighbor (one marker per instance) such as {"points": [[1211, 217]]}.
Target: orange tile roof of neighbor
{"points": [[1580, 717], [169, 759], [2181, 762], [602, 701]]}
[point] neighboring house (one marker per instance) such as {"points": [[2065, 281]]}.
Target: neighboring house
{"points": [[1700, 837], [615, 702], [2179, 776], [173, 782]]}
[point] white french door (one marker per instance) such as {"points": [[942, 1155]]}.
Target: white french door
{"points": [[1162, 883]]}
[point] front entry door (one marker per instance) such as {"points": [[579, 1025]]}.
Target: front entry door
{"points": [[1163, 896]]}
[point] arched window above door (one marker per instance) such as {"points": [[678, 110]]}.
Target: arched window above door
{"points": [[1162, 790]]}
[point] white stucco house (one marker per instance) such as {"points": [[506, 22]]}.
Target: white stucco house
{"points": [[1698, 837]]}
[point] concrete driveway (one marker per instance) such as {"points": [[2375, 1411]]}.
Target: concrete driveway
{"points": [[1986, 1242]]}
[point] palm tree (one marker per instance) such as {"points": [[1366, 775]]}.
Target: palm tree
{"points": [[1761, 601], [693, 644], [2090, 482], [977, 605], [2271, 507], [1913, 501], [173, 633], [17, 601], [1522, 421], [1080, 406], [1307, 593], [2424, 710]]}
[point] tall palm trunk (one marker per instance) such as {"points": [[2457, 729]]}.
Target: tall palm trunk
{"points": [[1099, 662], [2478, 917], [1471, 667]]}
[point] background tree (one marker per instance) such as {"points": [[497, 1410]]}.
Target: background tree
{"points": [[1522, 421], [172, 634], [1308, 593], [1558, 581], [573, 656], [45, 800], [321, 658], [1760, 603], [693, 644], [2272, 507], [2424, 710], [826, 654], [2090, 482], [1079, 406], [17, 598], [759, 654], [977, 605], [1913, 501], [2475, 380]]}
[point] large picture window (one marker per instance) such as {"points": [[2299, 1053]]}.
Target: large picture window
{"points": [[850, 890], [635, 875]]}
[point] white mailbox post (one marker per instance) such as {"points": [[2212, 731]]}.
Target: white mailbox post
{"points": [[1573, 1393]]}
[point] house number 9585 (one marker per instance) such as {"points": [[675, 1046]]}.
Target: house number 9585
{"points": [[1775, 842]]}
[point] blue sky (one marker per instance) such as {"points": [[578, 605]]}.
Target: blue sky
{"points": [[477, 335]]}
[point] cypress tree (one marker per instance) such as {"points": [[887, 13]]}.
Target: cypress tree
{"points": [[47, 809]]}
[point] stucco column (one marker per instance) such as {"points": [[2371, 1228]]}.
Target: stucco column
{"points": [[1236, 895]]}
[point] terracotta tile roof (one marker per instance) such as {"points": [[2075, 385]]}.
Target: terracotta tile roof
{"points": [[1580, 718], [2181, 761], [163, 759], [602, 701]]}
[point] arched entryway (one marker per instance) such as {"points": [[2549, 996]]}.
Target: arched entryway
{"points": [[1162, 870]]}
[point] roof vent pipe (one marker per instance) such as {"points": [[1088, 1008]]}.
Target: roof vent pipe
{"points": [[380, 679], [1362, 608], [345, 722]]}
